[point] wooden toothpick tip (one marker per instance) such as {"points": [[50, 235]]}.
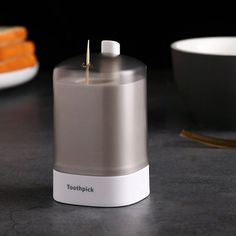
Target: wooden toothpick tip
{"points": [[88, 54]]}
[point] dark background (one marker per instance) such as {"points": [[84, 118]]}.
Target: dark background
{"points": [[145, 30]]}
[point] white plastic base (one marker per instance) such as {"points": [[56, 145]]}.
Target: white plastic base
{"points": [[101, 191]]}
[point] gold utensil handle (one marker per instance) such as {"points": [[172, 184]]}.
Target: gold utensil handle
{"points": [[209, 141]]}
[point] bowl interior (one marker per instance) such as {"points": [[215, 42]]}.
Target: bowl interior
{"points": [[225, 46]]}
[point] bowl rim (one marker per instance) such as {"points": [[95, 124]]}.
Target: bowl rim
{"points": [[175, 46]]}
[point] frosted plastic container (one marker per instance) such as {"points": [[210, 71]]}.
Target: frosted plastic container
{"points": [[100, 125]]}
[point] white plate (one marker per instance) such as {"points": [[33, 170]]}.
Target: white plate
{"points": [[17, 77]]}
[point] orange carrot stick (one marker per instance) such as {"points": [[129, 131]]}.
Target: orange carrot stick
{"points": [[17, 49], [9, 35], [18, 63]]}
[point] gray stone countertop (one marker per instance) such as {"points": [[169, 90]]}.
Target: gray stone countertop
{"points": [[193, 188]]}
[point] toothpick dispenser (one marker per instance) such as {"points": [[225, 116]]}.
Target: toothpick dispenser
{"points": [[100, 130]]}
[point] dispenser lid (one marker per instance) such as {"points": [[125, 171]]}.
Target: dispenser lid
{"points": [[107, 66]]}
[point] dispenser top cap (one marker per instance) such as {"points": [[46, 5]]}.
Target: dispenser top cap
{"points": [[108, 66], [110, 48]]}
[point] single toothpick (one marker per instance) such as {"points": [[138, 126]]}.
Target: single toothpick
{"points": [[87, 64], [88, 54]]}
